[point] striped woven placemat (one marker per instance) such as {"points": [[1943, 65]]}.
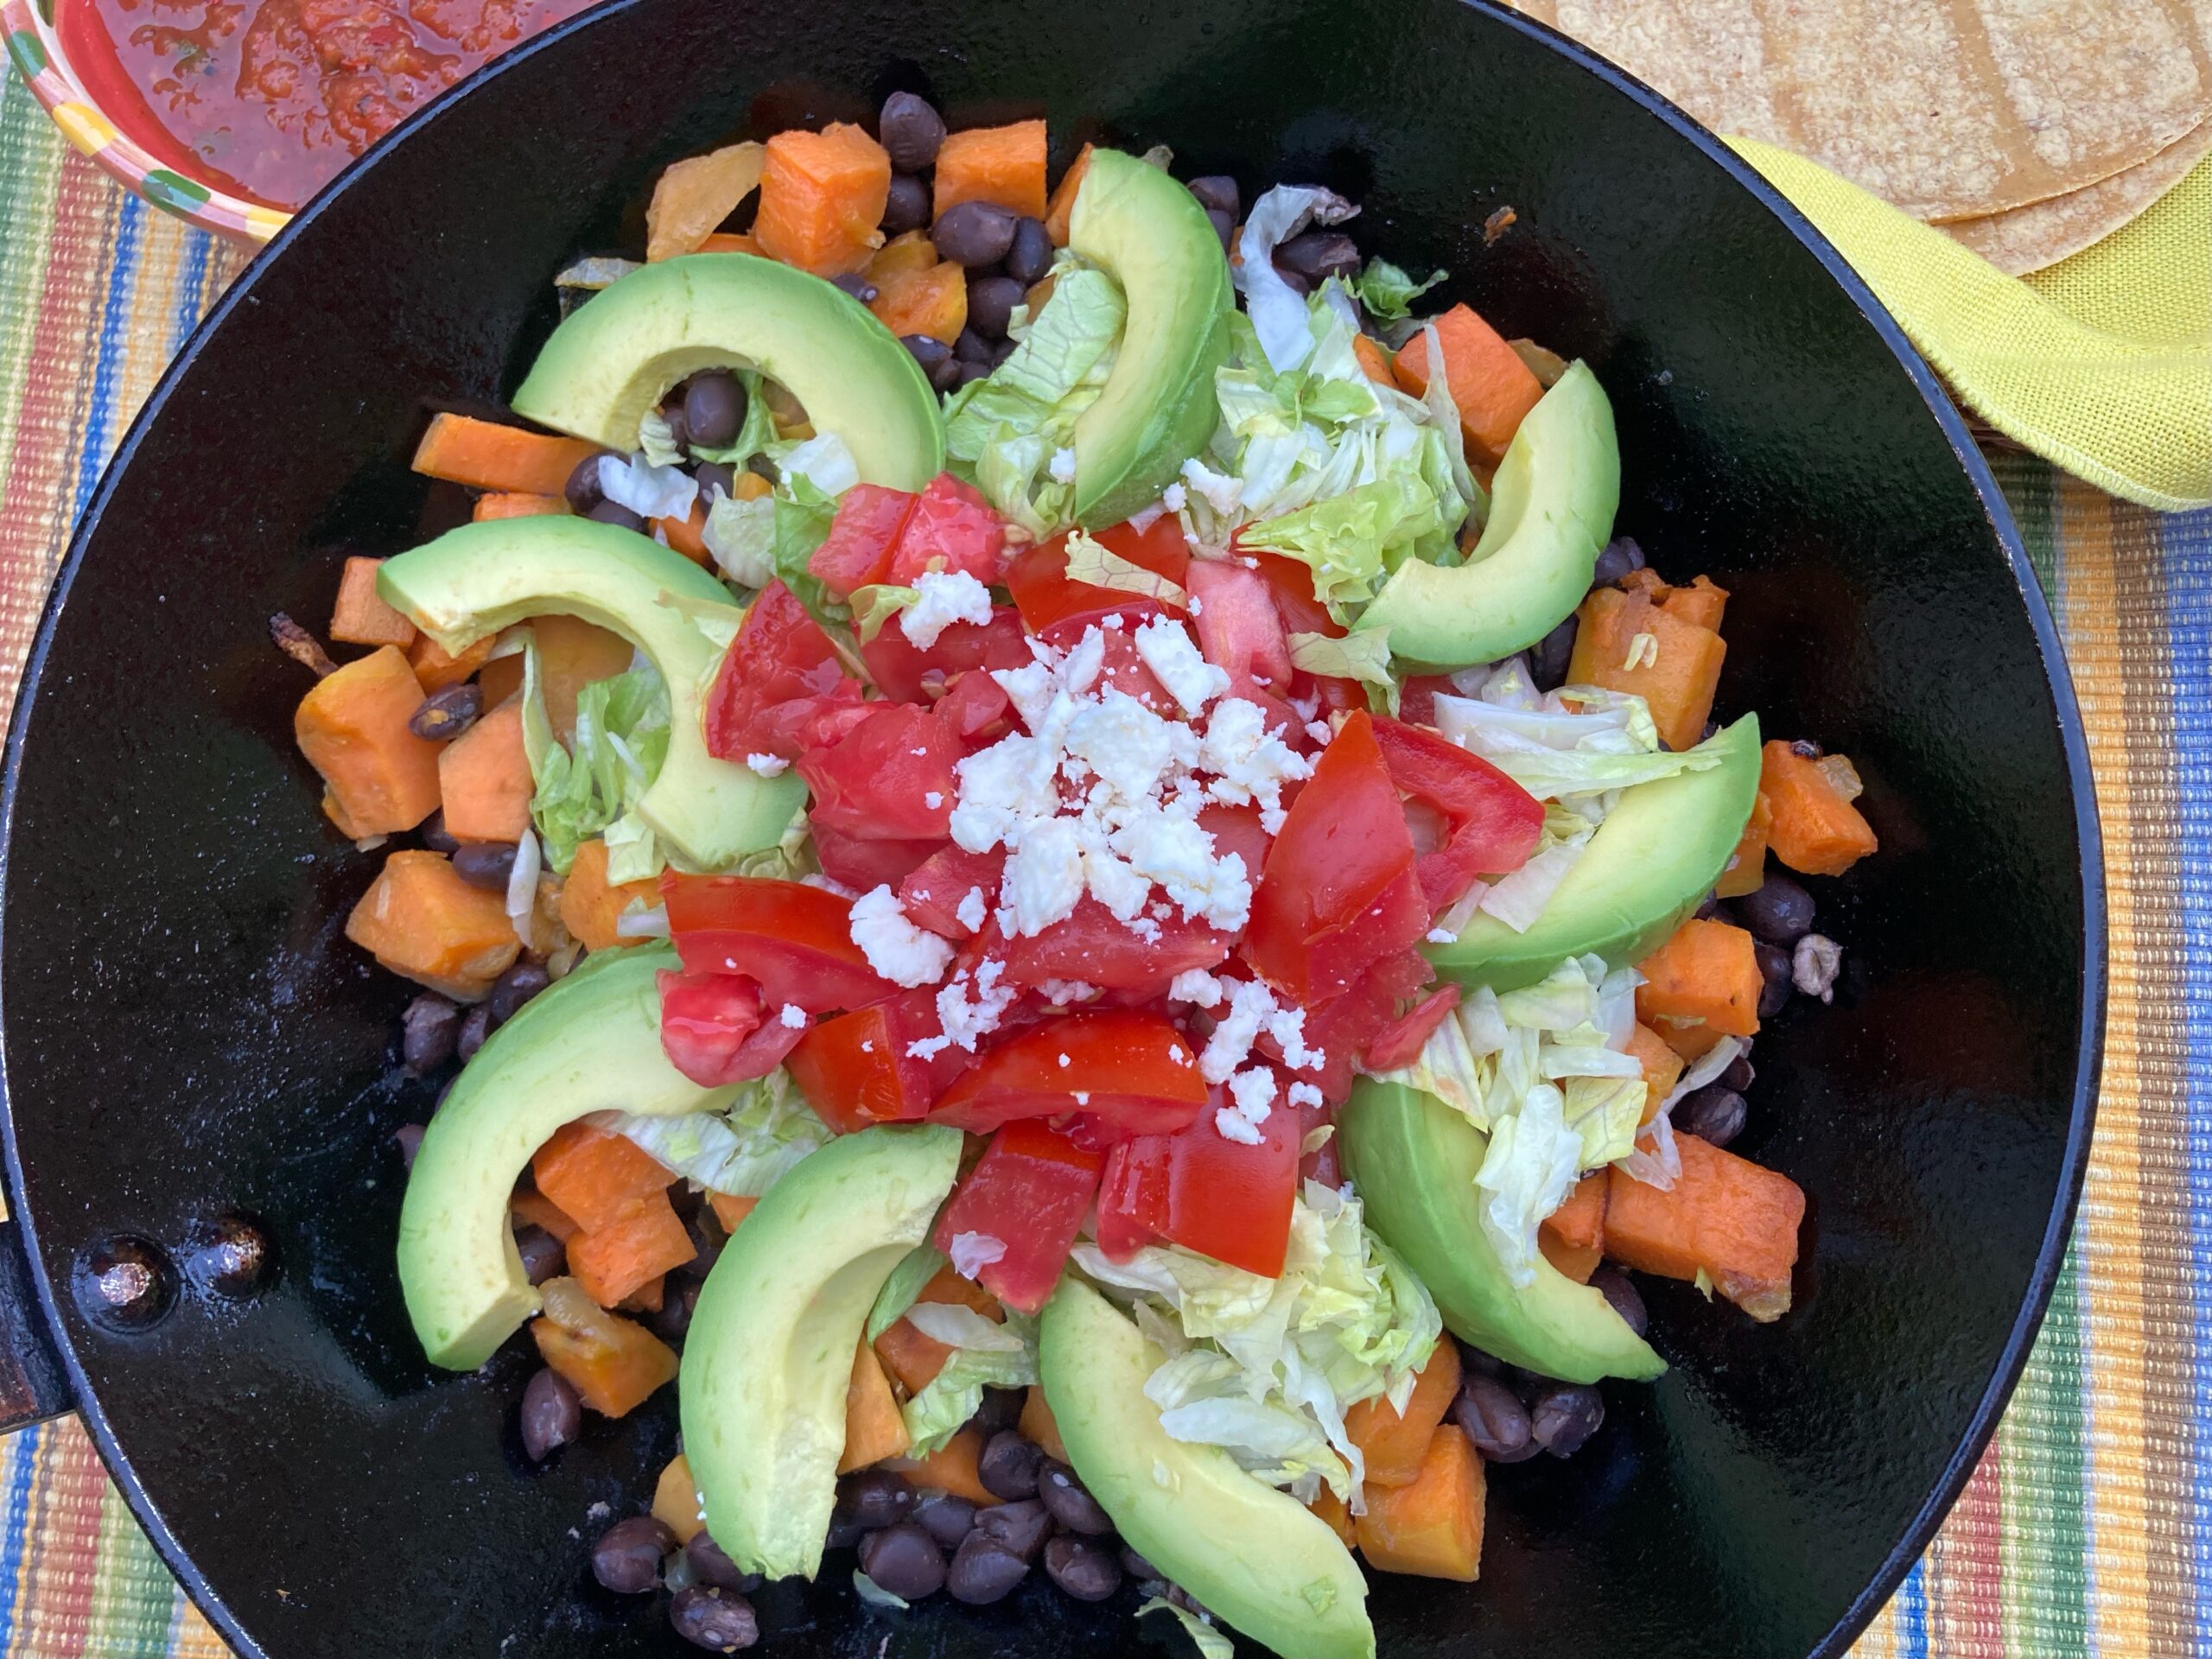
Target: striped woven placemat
{"points": [[2087, 1528]]}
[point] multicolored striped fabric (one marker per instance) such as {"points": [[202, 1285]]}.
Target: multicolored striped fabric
{"points": [[2088, 1528]]}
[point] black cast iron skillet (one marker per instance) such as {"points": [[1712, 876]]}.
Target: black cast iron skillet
{"points": [[188, 1035]]}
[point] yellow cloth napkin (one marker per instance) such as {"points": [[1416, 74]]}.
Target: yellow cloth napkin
{"points": [[2101, 364]]}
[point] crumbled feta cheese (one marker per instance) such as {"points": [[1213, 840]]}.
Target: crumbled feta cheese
{"points": [[894, 947], [1231, 1044], [1179, 856], [1062, 466], [963, 1016], [933, 799], [1166, 646], [1303, 1094], [1254, 1091], [1174, 497], [1196, 987], [1221, 492], [1044, 874], [1060, 993], [1065, 1061], [1232, 1125], [971, 911], [1319, 731], [768, 766], [972, 1252], [1127, 746], [1249, 761], [947, 597], [1441, 936], [792, 1016], [1083, 1097]]}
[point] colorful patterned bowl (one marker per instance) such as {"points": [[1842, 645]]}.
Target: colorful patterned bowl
{"points": [[35, 46]]}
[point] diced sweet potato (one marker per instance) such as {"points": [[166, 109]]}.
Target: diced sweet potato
{"points": [[1374, 361], [538, 1210], [1705, 973], [614, 1365], [875, 1429], [1004, 165], [596, 1177], [1431, 1526], [1332, 1509], [486, 455], [1490, 384], [571, 655], [914, 1359], [1746, 869], [732, 242], [613, 1263], [1394, 1446], [950, 1468], [1625, 643], [931, 301], [590, 908], [353, 727], [821, 196], [1662, 1067], [687, 534], [675, 1500], [1725, 1216], [1814, 830], [517, 504], [1575, 1262], [501, 678], [360, 616], [1061, 208], [435, 668], [730, 1209], [694, 195], [419, 918], [484, 778], [902, 256], [1037, 1425], [1573, 1237], [1701, 603]]}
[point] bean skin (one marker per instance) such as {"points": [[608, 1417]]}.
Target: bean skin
{"points": [[1619, 557], [875, 1499], [583, 488], [1064, 1497], [543, 1256], [1085, 1570], [945, 1518], [1779, 911], [1713, 1114], [476, 1027], [905, 1561], [1564, 1417], [975, 234], [1495, 1420], [626, 1558], [991, 300], [710, 1565], [1218, 193], [486, 864], [906, 206], [427, 1030], [911, 131], [709, 1616], [1030, 255], [446, 713], [551, 1416], [1620, 1290], [984, 1572], [714, 408]]}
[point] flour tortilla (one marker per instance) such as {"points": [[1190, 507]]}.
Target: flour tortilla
{"points": [[2028, 238]]}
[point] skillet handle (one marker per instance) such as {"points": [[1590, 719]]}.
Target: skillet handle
{"points": [[33, 1386]]}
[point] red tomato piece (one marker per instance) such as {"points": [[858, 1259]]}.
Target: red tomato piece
{"points": [[1094, 946], [1417, 696], [1057, 610], [1239, 631], [974, 708], [1237, 829], [932, 896], [889, 779], [1339, 890], [781, 686], [795, 940], [1209, 1194], [1343, 1027], [1121, 669], [1493, 824], [905, 673], [856, 1070], [1400, 1042], [1290, 585], [1128, 1067], [1030, 1191], [862, 537], [716, 1029], [865, 865], [952, 528]]}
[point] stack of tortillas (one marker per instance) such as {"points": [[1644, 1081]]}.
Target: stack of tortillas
{"points": [[2027, 129]]}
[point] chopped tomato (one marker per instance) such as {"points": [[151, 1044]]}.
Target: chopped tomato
{"points": [[1095, 947], [1128, 1068], [1198, 1189], [934, 894], [1417, 696], [781, 687], [795, 940], [716, 1029], [1056, 610], [1402, 1041], [1239, 631], [857, 551], [1029, 1190], [1339, 891], [863, 865], [856, 1070], [1290, 585], [889, 779], [1237, 829], [1492, 824], [974, 707], [1343, 1027], [1122, 668], [952, 528], [905, 673]]}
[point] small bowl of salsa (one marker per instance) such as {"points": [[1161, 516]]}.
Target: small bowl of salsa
{"points": [[232, 113]]}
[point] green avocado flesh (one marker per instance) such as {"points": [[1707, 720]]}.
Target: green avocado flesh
{"points": [[1149, 234], [1414, 1160], [1255, 1557], [770, 1353], [1651, 862], [588, 1043], [1552, 509], [480, 577], [615, 357]]}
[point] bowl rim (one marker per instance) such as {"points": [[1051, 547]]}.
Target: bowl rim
{"points": [[2012, 1359]]}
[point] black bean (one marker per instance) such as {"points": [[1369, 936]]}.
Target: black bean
{"points": [[613, 512], [1804, 749], [710, 1565], [1548, 659], [904, 1560], [679, 1300], [911, 131], [583, 488], [1020, 1527], [858, 286], [1224, 224], [1135, 1565], [945, 1517], [843, 1534], [1002, 351], [946, 376], [1778, 910], [434, 834], [762, 468], [1480, 1360], [476, 1027], [486, 864], [1064, 1499], [671, 412], [1002, 1409], [1217, 194], [1628, 1301], [1008, 1465], [708, 1239], [973, 233], [1086, 1571], [714, 408], [906, 206], [984, 1572], [1031, 256], [1494, 1418], [1565, 1416], [1294, 281], [427, 1033], [446, 713], [516, 987], [543, 1256], [709, 1616], [991, 300], [408, 1137], [971, 348], [1713, 1114], [1774, 968], [874, 1497], [626, 1558], [969, 372], [928, 350], [552, 1417], [1621, 555], [713, 475], [1319, 255], [1710, 908], [1740, 1074]]}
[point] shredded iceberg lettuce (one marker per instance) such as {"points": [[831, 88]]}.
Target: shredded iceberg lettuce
{"points": [[754, 436], [1656, 1161], [1578, 741], [743, 1149], [1274, 307], [951, 1397], [1387, 292], [592, 786], [1210, 1642], [915, 1270]]}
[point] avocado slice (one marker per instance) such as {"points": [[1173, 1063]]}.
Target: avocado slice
{"points": [[479, 578], [1552, 509], [1255, 1557], [615, 357], [1157, 410], [588, 1043], [770, 1354], [1651, 862], [1414, 1160]]}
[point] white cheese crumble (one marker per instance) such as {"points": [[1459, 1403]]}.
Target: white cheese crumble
{"points": [[933, 799], [965, 1015], [1232, 1125], [768, 766], [792, 1016], [1303, 1094], [1254, 1091], [947, 597], [894, 947], [1061, 993], [1253, 1009], [1174, 497], [1062, 466], [1166, 649], [971, 911], [1196, 987], [1441, 936], [1249, 762]]}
